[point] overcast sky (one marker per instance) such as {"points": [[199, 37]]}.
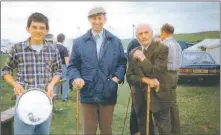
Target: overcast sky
{"points": [[64, 17]]}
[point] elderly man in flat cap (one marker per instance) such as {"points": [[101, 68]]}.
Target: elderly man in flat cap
{"points": [[97, 65]]}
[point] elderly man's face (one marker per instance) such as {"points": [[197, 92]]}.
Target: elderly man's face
{"points": [[97, 22], [144, 35]]}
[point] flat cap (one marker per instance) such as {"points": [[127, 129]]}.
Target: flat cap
{"points": [[96, 11]]}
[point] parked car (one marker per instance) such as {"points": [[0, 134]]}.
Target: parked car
{"points": [[198, 65]]}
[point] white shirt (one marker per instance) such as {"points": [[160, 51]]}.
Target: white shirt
{"points": [[37, 48], [145, 47]]}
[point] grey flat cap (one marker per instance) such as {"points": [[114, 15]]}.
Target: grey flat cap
{"points": [[96, 10]]}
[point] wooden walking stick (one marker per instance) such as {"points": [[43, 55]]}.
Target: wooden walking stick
{"points": [[157, 88], [126, 113], [148, 111], [77, 112]]}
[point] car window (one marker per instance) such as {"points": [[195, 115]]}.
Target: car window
{"points": [[197, 58]]}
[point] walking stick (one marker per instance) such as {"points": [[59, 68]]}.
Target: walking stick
{"points": [[128, 103], [148, 108], [77, 112], [148, 111]]}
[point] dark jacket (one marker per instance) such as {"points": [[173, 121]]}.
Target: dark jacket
{"points": [[154, 66], [97, 73]]}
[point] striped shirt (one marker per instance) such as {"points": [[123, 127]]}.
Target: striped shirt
{"points": [[175, 53], [34, 70]]}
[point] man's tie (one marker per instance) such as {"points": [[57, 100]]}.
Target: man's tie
{"points": [[144, 51], [97, 44]]}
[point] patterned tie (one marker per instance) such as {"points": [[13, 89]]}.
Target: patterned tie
{"points": [[96, 38]]}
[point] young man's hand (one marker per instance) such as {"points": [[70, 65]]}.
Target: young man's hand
{"points": [[50, 90], [18, 89]]}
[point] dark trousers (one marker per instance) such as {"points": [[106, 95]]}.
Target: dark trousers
{"points": [[162, 120], [174, 115], [133, 121], [174, 110]]}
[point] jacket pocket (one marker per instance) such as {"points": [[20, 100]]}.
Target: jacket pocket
{"points": [[110, 89], [88, 89]]}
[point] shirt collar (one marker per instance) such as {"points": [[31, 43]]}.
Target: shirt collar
{"points": [[27, 43], [168, 38], [59, 43], [100, 34], [145, 47]]}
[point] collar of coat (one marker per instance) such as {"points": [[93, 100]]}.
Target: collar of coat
{"points": [[89, 36]]}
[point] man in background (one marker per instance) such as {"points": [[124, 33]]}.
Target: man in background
{"points": [[174, 61], [133, 117], [65, 60]]}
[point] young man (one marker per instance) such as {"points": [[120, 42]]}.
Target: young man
{"points": [[65, 60], [38, 65], [174, 61], [97, 65], [150, 61]]}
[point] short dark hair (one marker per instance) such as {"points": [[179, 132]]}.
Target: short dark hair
{"points": [[60, 37], [38, 17], [168, 28]]}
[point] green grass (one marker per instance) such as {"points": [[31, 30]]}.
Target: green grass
{"points": [[199, 110], [193, 37]]}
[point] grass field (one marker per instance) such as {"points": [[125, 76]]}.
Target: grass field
{"points": [[199, 109]]}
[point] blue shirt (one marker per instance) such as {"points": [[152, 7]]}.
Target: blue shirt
{"points": [[99, 38], [175, 53]]}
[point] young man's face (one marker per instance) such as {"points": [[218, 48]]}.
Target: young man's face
{"points": [[144, 35], [97, 22], [37, 31]]}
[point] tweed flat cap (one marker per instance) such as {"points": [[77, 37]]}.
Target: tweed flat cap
{"points": [[96, 10]]}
